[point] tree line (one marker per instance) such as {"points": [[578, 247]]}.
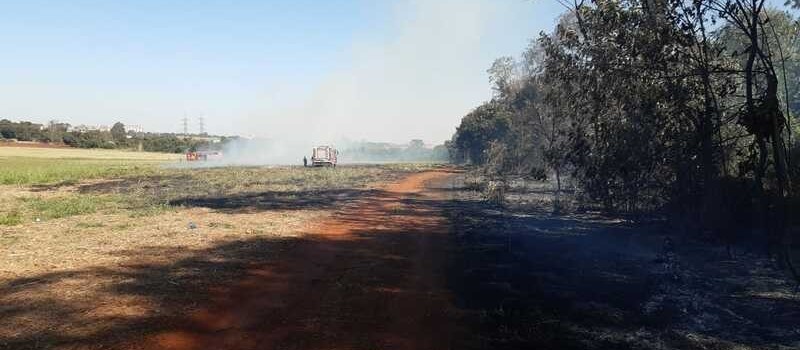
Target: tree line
{"points": [[114, 138], [414, 151], [670, 106]]}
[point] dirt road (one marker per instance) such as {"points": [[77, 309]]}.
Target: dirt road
{"points": [[372, 277]]}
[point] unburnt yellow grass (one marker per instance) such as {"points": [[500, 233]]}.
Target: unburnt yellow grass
{"points": [[80, 242]]}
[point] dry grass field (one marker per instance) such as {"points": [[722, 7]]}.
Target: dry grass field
{"points": [[75, 225]]}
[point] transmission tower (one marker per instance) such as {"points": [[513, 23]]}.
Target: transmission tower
{"points": [[185, 121], [201, 125]]}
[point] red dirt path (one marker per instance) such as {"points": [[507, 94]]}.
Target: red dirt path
{"points": [[369, 278]]}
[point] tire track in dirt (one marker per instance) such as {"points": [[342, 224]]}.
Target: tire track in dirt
{"points": [[372, 277]]}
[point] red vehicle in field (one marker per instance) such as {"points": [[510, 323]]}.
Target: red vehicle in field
{"points": [[324, 156], [203, 155]]}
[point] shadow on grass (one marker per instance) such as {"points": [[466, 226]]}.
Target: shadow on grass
{"points": [[348, 284], [42, 318]]}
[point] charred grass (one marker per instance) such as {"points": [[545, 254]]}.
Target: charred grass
{"points": [[530, 278]]}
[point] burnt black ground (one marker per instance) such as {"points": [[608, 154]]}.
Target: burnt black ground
{"points": [[529, 279]]}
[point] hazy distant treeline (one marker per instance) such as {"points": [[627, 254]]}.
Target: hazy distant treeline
{"points": [[389, 152], [115, 137]]}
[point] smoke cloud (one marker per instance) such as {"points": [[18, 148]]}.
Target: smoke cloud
{"points": [[415, 84]]}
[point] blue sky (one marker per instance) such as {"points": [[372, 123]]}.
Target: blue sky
{"points": [[377, 70]]}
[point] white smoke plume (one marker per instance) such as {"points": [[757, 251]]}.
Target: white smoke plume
{"points": [[416, 84]]}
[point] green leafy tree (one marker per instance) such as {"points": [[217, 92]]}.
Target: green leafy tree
{"points": [[489, 122], [118, 133]]}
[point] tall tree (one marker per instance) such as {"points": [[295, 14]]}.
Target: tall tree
{"points": [[118, 132]]}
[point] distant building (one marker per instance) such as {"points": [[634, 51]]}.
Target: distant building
{"points": [[211, 139], [85, 128], [138, 129]]}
